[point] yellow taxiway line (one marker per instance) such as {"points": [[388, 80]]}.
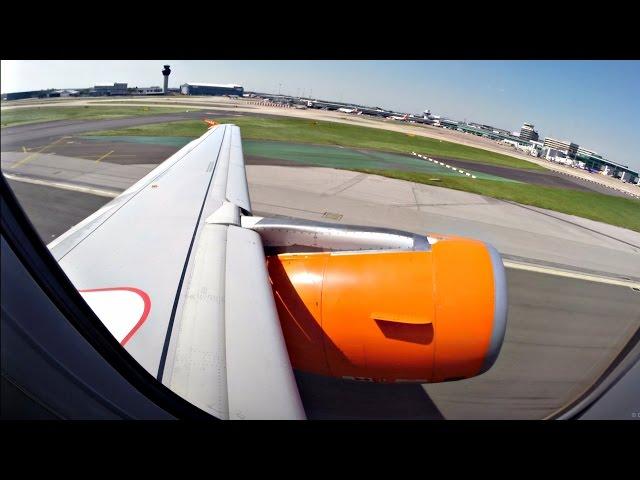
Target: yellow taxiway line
{"points": [[30, 157], [104, 156]]}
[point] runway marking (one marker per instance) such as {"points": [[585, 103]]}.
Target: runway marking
{"points": [[346, 185], [104, 156], [116, 155], [569, 222], [34, 154], [570, 274], [415, 197], [64, 186]]}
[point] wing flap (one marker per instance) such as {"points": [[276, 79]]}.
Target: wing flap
{"points": [[260, 380], [230, 356], [198, 371]]}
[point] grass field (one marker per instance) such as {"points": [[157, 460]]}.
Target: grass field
{"points": [[617, 211], [21, 116], [623, 212], [329, 133], [183, 128]]}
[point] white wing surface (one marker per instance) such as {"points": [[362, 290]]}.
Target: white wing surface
{"points": [[172, 274]]}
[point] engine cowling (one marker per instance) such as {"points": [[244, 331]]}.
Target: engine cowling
{"points": [[393, 316]]}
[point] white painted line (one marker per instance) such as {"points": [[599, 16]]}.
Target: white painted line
{"points": [[64, 186], [569, 274]]}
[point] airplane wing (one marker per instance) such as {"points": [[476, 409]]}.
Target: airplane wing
{"points": [[175, 267], [170, 271]]}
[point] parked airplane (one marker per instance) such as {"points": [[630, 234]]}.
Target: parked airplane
{"points": [[404, 117], [220, 305], [350, 110]]}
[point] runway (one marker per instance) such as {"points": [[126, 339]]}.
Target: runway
{"points": [[39, 134], [53, 211], [523, 233], [547, 178]]}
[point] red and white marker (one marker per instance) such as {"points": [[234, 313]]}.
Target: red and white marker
{"points": [[123, 310]]}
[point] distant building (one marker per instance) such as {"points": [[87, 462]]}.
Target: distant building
{"points": [[490, 133], [447, 123], [527, 132], [211, 89], [49, 93], [148, 91], [29, 94], [584, 151], [571, 154], [64, 93], [107, 89], [533, 148], [569, 148]]}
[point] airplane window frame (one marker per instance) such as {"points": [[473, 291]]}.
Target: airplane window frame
{"points": [[22, 238]]}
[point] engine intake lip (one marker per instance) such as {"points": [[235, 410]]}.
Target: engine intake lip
{"points": [[499, 310]]}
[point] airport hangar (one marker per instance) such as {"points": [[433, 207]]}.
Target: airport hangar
{"points": [[211, 89]]}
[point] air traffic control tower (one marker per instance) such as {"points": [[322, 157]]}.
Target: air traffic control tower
{"points": [[166, 73]]}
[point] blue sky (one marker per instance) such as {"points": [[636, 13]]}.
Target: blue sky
{"points": [[593, 103]]}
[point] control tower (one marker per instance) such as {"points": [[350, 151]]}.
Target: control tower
{"points": [[166, 73]]}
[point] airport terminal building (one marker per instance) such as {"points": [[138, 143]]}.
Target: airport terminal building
{"points": [[109, 89], [569, 153], [211, 89], [528, 132], [489, 132], [40, 94]]}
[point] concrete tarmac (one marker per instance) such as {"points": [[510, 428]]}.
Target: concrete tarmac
{"points": [[522, 232], [53, 211], [36, 135]]}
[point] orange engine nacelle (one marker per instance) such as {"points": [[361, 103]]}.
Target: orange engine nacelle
{"points": [[392, 316]]}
